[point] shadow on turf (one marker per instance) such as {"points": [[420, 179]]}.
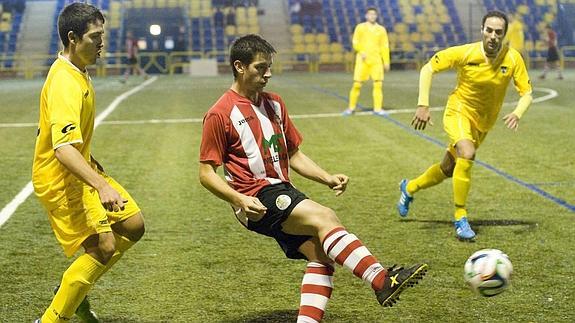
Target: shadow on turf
{"points": [[281, 316], [477, 224]]}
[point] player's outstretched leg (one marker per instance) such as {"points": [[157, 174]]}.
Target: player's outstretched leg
{"points": [[347, 250]]}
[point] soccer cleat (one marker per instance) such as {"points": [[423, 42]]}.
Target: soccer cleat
{"points": [[463, 230], [37, 321], [83, 311], [396, 280], [404, 199], [347, 112], [380, 113]]}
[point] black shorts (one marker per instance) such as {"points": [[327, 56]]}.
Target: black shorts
{"points": [[132, 61], [552, 55], [280, 200]]}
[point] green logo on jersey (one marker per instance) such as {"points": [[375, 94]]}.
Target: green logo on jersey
{"points": [[273, 142]]}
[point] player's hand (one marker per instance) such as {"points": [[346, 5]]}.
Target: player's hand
{"points": [[386, 67], [363, 56], [252, 207], [421, 118], [111, 199], [511, 121], [338, 183]]}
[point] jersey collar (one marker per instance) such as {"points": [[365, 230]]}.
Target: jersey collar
{"points": [[67, 61]]}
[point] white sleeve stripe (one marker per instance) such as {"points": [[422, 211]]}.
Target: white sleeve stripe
{"points": [[79, 141]]}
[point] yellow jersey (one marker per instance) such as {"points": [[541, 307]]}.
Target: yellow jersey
{"points": [[481, 83], [515, 35], [371, 40], [67, 112]]}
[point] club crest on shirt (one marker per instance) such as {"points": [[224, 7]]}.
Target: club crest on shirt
{"points": [[503, 69], [283, 201]]}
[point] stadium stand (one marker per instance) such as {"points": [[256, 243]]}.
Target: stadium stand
{"points": [[11, 13]]}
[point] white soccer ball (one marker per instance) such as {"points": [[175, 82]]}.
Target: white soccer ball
{"points": [[488, 272]]}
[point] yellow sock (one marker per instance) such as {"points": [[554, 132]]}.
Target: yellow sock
{"points": [[76, 282], [354, 95], [461, 185], [432, 176], [377, 95], [122, 244]]}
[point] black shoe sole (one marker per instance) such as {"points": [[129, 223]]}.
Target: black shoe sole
{"points": [[410, 281]]}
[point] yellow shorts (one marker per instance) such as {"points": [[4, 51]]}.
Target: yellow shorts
{"points": [[459, 127], [77, 218], [364, 70]]}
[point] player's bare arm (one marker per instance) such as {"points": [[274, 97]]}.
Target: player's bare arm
{"points": [[421, 118], [307, 168], [251, 206], [71, 158]]}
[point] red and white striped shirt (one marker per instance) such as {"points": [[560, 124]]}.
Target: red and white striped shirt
{"points": [[252, 142]]}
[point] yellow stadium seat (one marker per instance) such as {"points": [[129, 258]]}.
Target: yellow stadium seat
{"points": [[299, 48], [408, 47], [241, 11], [435, 27], [337, 57], [323, 48], [242, 30], [403, 38], [296, 29], [548, 17], [444, 19], [309, 38], [230, 30], [529, 45], [149, 3], [252, 12], [322, 38], [297, 39], [138, 3], [325, 58], [427, 37], [161, 3], [400, 28], [415, 37], [336, 48], [540, 2], [540, 45], [522, 9], [311, 48], [420, 19]]}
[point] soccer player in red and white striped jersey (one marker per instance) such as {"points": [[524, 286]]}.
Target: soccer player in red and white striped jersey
{"points": [[249, 133]]}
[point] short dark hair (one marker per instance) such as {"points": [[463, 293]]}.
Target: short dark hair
{"points": [[372, 9], [498, 14], [245, 49], [76, 18]]}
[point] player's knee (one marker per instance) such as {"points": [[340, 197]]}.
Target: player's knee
{"points": [[106, 250], [467, 153], [356, 85], [327, 217], [447, 169]]}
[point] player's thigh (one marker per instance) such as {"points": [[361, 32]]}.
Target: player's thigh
{"points": [[361, 71], [376, 72], [309, 218], [312, 249], [128, 222]]}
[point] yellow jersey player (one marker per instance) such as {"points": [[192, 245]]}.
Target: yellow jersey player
{"points": [[372, 46], [484, 70], [516, 36], [86, 207]]}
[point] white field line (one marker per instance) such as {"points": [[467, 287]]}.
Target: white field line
{"points": [[550, 95], [11, 207]]}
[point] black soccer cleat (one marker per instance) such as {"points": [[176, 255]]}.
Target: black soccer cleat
{"points": [[397, 279]]}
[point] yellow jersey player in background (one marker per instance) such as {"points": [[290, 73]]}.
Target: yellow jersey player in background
{"points": [[484, 70], [372, 46], [515, 36], [86, 207]]}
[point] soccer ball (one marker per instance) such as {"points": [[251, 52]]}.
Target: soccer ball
{"points": [[487, 272]]}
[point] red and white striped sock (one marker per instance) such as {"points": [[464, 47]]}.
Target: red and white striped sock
{"points": [[315, 292], [345, 249]]}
